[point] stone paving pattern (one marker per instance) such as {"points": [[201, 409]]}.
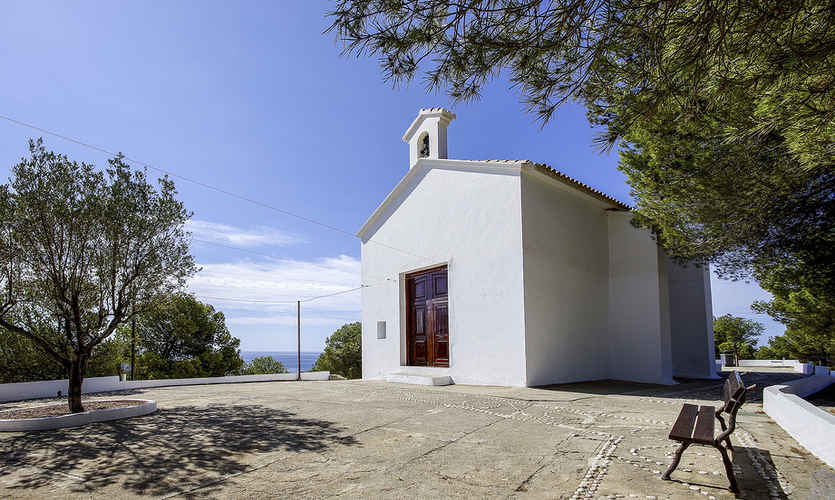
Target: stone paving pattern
{"points": [[363, 439]]}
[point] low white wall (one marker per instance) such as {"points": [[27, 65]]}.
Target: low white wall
{"points": [[812, 427], [769, 362], [50, 388], [805, 368], [76, 419]]}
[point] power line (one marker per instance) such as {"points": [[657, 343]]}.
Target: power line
{"points": [[283, 301], [332, 294], [209, 289], [276, 278], [208, 186], [291, 301], [247, 301]]}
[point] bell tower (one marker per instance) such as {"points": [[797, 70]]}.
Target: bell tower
{"points": [[427, 135]]}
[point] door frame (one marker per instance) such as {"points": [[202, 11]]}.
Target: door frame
{"points": [[406, 354]]}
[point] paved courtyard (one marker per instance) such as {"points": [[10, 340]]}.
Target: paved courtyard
{"points": [[361, 439]]}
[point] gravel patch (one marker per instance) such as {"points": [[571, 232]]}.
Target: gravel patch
{"points": [[57, 410]]}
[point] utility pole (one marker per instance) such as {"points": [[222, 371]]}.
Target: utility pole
{"points": [[133, 348], [299, 317]]}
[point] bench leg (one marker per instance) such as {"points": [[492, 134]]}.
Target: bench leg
{"points": [[724, 428], [676, 460], [729, 468]]}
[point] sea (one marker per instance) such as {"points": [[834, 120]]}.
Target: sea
{"points": [[289, 358]]}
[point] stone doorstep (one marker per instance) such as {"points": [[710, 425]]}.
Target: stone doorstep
{"points": [[418, 379]]}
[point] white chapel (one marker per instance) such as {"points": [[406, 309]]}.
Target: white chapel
{"points": [[510, 273]]}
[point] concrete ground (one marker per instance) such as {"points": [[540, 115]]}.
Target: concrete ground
{"points": [[361, 439]]}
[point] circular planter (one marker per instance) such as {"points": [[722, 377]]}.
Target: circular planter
{"points": [[76, 419]]}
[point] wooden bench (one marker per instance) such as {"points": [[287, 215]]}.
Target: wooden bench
{"points": [[695, 425]]}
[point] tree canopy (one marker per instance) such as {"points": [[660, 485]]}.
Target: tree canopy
{"points": [[806, 311], [722, 111], [778, 55], [343, 352], [21, 360], [741, 204], [740, 335], [82, 251], [185, 338], [263, 365]]}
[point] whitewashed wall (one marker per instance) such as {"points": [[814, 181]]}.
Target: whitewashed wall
{"points": [[566, 261], [450, 212], [528, 255], [691, 322], [639, 312]]}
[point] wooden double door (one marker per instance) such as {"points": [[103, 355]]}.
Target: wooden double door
{"points": [[427, 318]]}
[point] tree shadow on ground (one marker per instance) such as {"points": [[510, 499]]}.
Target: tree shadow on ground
{"points": [[755, 474], [686, 388], [170, 451]]}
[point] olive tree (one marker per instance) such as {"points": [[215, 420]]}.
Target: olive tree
{"points": [[82, 251]]}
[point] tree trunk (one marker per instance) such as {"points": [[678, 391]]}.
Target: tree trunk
{"points": [[78, 368]]}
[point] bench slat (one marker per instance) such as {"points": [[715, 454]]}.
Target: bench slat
{"points": [[683, 428], [733, 389], [703, 434], [736, 387]]}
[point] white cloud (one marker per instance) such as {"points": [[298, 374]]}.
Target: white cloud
{"points": [[221, 233], [258, 299], [273, 288], [289, 320]]}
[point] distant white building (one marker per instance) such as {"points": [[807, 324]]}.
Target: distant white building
{"points": [[510, 273]]}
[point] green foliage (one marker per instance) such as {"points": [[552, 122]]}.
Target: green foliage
{"points": [[778, 347], [750, 205], [82, 251], [343, 352], [740, 335], [725, 111], [742, 204], [22, 361], [775, 56], [106, 357], [263, 365], [806, 309], [185, 338]]}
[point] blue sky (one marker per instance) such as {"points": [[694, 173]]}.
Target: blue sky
{"points": [[253, 99]]}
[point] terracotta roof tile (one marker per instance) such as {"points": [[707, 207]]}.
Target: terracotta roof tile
{"points": [[568, 180], [583, 187]]}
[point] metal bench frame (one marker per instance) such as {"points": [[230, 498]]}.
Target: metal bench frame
{"points": [[695, 425]]}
